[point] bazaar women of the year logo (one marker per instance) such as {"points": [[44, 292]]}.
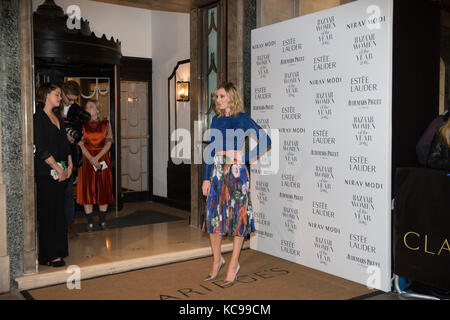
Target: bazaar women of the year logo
{"points": [[263, 65], [324, 102], [324, 28]]}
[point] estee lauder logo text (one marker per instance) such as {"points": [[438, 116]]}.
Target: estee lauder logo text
{"points": [[289, 113], [321, 137], [414, 241], [261, 219], [361, 164], [261, 93], [323, 63], [289, 247], [321, 209], [288, 180], [290, 45], [362, 84]]}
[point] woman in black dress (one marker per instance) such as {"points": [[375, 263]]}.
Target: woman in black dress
{"points": [[53, 166]]}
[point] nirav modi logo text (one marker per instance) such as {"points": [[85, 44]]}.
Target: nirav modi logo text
{"points": [[428, 244], [373, 22], [268, 161], [266, 44]]}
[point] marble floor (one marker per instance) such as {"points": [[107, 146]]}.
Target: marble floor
{"points": [[119, 250]]}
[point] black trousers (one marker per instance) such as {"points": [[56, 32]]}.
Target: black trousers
{"points": [[69, 204], [52, 226]]}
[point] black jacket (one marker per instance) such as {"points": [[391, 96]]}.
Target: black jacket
{"points": [[48, 141]]}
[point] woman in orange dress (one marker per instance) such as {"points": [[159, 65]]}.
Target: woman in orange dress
{"points": [[94, 184]]}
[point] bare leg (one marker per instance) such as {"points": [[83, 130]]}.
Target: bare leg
{"points": [[216, 240], [232, 266], [103, 207], [87, 208]]}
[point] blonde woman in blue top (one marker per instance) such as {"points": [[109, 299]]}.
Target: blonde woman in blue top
{"points": [[226, 181]]}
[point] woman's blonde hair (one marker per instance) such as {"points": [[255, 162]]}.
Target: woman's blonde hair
{"points": [[235, 103], [97, 104], [444, 133]]}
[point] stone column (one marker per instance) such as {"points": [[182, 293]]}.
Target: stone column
{"points": [[11, 168], [241, 19], [4, 257], [26, 76], [196, 144]]}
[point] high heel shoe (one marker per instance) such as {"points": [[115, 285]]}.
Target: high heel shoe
{"points": [[227, 284], [209, 278]]}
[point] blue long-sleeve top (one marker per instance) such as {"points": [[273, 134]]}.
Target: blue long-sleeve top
{"points": [[238, 127]]}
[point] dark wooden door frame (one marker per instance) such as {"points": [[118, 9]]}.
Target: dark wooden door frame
{"points": [[178, 194]]}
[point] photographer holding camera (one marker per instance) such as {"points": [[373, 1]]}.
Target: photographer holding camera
{"points": [[74, 117]]}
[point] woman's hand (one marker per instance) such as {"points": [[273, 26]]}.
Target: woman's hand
{"points": [[61, 174], [235, 155], [69, 171], [206, 186], [96, 164]]}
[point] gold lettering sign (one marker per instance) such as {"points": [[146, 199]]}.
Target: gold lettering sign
{"points": [[404, 240], [408, 243]]}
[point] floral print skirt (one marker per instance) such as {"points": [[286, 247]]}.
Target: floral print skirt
{"points": [[229, 208]]}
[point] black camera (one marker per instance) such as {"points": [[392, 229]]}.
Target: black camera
{"points": [[74, 122]]}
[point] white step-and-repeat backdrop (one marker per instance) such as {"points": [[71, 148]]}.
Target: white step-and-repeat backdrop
{"points": [[324, 82]]}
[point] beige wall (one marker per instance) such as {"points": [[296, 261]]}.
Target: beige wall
{"points": [[310, 6], [273, 11]]}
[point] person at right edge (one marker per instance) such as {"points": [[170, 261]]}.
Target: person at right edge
{"points": [[226, 179], [439, 156]]}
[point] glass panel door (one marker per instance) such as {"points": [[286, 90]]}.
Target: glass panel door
{"points": [[134, 136]]}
